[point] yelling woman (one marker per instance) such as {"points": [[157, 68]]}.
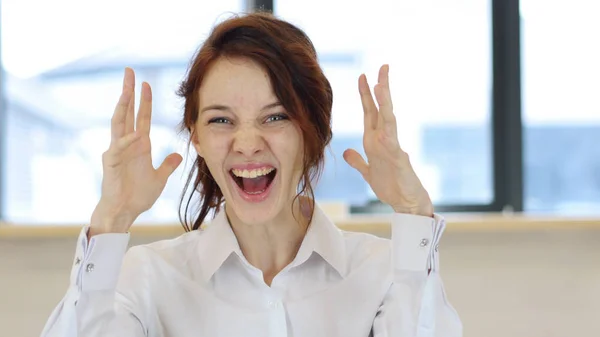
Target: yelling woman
{"points": [[270, 262]]}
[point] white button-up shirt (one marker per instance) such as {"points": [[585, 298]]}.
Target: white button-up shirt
{"points": [[340, 283]]}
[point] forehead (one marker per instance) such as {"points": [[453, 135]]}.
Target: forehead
{"points": [[236, 82]]}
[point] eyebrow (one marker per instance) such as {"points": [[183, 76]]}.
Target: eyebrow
{"points": [[221, 107]]}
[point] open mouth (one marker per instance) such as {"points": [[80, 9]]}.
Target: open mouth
{"points": [[254, 182]]}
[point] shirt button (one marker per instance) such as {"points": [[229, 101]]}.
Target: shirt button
{"points": [[89, 268], [437, 247], [424, 243], [274, 304]]}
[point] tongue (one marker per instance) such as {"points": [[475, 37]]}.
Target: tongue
{"points": [[255, 185]]}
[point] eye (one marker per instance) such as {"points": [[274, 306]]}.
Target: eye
{"points": [[277, 117], [219, 120]]}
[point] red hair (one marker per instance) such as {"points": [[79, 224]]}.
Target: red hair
{"points": [[290, 60]]}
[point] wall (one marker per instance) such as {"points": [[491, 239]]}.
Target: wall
{"points": [[534, 283]]}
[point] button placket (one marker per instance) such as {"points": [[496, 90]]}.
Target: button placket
{"points": [[277, 319], [274, 303]]}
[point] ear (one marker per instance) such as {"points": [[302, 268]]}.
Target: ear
{"points": [[194, 138]]}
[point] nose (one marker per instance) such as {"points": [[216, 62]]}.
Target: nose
{"points": [[248, 141]]}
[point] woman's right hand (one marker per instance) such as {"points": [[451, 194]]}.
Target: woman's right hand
{"points": [[130, 184]]}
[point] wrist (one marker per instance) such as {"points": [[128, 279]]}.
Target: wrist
{"points": [[104, 221], [418, 210]]}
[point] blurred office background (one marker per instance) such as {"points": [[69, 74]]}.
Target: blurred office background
{"points": [[497, 103]]}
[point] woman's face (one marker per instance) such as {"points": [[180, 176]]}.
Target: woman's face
{"points": [[252, 149]]}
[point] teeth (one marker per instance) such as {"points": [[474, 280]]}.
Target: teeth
{"points": [[252, 173]]}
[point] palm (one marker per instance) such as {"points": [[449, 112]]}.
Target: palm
{"points": [[387, 169], [139, 184]]}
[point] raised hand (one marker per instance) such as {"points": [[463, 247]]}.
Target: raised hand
{"points": [[130, 184], [388, 170]]}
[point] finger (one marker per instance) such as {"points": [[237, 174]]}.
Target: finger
{"points": [[120, 114], [144, 116], [355, 160], [369, 107], [130, 119], [384, 100], [169, 165]]}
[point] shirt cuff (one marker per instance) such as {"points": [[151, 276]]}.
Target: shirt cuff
{"points": [[98, 262], [415, 240]]}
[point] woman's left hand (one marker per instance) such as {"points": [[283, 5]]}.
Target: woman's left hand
{"points": [[388, 170]]}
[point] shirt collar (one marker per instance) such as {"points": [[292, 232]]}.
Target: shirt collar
{"points": [[216, 244], [323, 237]]}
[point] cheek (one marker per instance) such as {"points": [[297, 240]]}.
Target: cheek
{"points": [[213, 146], [289, 148], [298, 147]]}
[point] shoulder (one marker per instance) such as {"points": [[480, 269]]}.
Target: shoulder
{"points": [[366, 249], [175, 253]]}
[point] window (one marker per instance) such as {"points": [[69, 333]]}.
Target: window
{"points": [[63, 66], [440, 63], [456, 99], [561, 110]]}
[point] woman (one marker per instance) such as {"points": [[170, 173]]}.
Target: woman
{"points": [[258, 113]]}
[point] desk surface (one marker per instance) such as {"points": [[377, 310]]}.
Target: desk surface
{"points": [[370, 223]]}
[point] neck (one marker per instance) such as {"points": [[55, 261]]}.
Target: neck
{"points": [[272, 246]]}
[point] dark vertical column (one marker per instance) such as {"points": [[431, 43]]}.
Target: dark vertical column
{"points": [[259, 5], [506, 114]]}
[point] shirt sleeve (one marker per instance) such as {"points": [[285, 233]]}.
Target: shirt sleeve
{"points": [[92, 306], [416, 304]]}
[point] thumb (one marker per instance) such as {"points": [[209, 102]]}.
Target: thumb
{"points": [[355, 160], [169, 165]]}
